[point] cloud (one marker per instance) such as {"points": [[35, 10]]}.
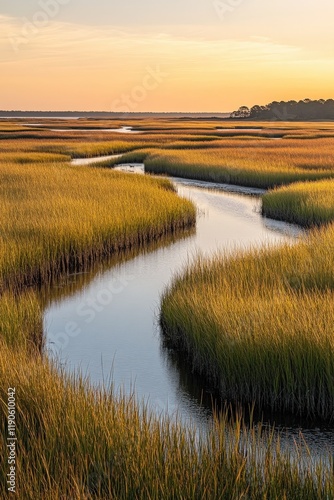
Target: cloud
{"points": [[63, 41], [85, 66]]}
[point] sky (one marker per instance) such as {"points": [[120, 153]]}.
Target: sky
{"points": [[177, 55]]}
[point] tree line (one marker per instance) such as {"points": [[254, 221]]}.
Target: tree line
{"points": [[288, 111]]}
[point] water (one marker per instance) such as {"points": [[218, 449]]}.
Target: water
{"points": [[121, 130], [105, 323], [89, 161], [240, 129], [122, 338]]}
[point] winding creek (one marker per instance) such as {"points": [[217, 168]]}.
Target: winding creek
{"points": [[105, 323]]}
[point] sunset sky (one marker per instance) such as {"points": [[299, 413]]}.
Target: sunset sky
{"points": [[180, 55]]}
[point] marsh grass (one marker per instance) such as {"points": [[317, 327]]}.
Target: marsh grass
{"points": [[55, 218], [21, 325], [75, 441], [259, 326], [137, 156], [252, 163], [31, 157], [308, 203], [82, 149]]}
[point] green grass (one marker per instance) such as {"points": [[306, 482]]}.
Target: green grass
{"points": [[259, 326]]}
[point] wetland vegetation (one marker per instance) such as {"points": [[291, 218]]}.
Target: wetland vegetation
{"points": [[257, 324]]}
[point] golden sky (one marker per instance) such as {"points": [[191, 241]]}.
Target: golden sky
{"points": [[63, 55]]}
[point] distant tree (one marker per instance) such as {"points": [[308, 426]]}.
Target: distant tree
{"points": [[259, 112], [242, 112], [306, 109]]}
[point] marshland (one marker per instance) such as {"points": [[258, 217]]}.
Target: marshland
{"points": [[243, 297]]}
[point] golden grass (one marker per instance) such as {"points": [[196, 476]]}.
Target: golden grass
{"points": [[23, 157], [76, 145], [90, 144], [54, 218], [11, 127], [78, 442], [255, 163], [75, 441], [21, 325], [82, 149], [259, 325], [308, 203]]}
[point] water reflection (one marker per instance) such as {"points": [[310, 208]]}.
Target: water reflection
{"points": [[105, 321], [196, 396], [69, 285]]}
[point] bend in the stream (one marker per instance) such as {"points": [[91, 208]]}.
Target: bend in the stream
{"points": [[119, 335]]}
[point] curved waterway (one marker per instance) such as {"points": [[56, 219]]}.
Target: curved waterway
{"points": [[120, 130], [105, 323]]}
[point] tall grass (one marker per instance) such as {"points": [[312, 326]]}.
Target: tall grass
{"points": [[31, 157], [77, 442], [137, 156], [54, 218], [308, 203], [259, 325], [249, 162], [82, 149], [21, 325]]}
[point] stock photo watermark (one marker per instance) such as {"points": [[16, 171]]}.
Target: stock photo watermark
{"points": [[48, 10], [282, 115], [224, 8], [88, 310], [129, 102], [11, 439]]}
